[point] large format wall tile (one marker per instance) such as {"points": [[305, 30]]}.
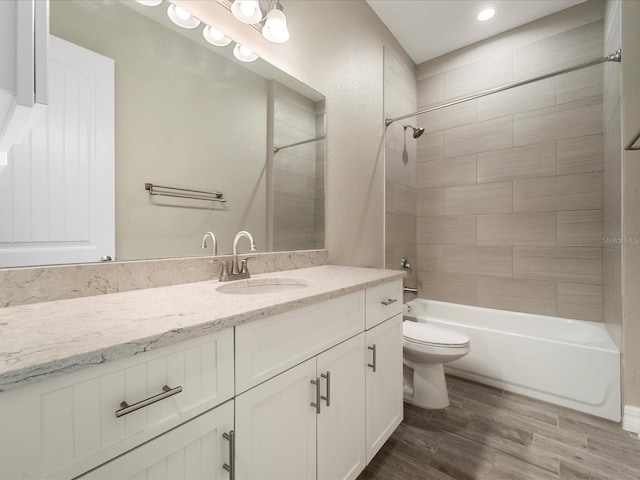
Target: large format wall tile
{"points": [[478, 137], [537, 228], [478, 76], [580, 228], [526, 233], [447, 287], [538, 160], [580, 155], [518, 100], [447, 172], [574, 119], [447, 230], [567, 192], [532, 296], [580, 301], [476, 199], [466, 259], [579, 85], [431, 202], [430, 146], [566, 264], [558, 51]]}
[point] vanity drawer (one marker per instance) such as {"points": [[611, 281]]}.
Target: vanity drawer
{"points": [[383, 302], [271, 346], [76, 413]]}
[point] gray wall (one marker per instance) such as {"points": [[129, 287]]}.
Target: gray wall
{"points": [[510, 185]]}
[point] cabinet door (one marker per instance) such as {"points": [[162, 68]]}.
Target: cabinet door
{"points": [[384, 385], [276, 427], [341, 423], [194, 450]]}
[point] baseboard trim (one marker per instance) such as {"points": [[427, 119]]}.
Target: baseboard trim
{"points": [[631, 419]]}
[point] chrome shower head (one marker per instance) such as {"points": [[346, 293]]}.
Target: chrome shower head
{"points": [[416, 131]]}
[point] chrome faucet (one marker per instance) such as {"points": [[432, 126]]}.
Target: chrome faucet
{"points": [[238, 272], [213, 238]]}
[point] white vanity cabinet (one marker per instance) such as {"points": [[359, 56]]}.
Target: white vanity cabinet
{"points": [[307, 404], [68, 425], [291, 395], [308, 419], [384, 383], [196, 449]]}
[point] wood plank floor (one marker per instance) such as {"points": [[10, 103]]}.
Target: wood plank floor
{"points": [[487, 433]]}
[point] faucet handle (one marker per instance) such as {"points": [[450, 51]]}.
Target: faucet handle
{"points": [[244, 268], [224, 272]]}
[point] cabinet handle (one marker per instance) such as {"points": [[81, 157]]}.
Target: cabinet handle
{"points": [[373, 365], [389, 302], [167, 392], [231, 466], [316, 404], [327, 399]]}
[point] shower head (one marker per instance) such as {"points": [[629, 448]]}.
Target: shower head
{"points": [[416, 131]]}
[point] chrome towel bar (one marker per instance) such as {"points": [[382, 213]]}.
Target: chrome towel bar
{"points": [[183, 193]]}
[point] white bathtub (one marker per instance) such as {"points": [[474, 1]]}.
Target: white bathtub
{"points": [[572, 363]]}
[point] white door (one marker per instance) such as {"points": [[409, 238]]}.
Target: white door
{"points": [[57, 192], [276, 427], [195, 450], [341, 423], [384, 385]]}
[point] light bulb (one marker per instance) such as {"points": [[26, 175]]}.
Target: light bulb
{"points": [[182, 17], [486, 14], [247, 11], [215, 37], [244, 54], [275, 28], [181, 13], [149, 3]]}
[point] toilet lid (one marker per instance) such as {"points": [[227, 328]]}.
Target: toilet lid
{"points": [[428, 334]]}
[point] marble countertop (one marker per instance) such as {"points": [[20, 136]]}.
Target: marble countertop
{"points": [[42, 340]]}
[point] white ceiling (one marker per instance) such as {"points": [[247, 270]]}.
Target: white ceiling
{"points": [[429, 28]]}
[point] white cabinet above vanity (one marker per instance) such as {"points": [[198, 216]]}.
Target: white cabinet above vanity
{"points": [[193, 383]]}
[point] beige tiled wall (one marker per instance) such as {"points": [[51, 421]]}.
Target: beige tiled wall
{"points": [[509, 188], [400, 166], [612, 185]]}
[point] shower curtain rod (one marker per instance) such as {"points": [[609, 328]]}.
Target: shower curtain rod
{"points": [[614, 57], [277, 149]]}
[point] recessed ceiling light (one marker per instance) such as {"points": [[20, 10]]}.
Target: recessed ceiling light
{"points": [[486, 14]]}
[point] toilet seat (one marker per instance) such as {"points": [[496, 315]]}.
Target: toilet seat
{"points": [[433, 335]]}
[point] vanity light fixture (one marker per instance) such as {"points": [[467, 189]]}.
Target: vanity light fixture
{"points": [[215, 37], [182, 17], [247, 11], [149, 3], [275, 25], [486, 14], [244, 54]]}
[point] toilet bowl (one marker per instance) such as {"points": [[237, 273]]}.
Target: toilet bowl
{"points": [[426, 348]]}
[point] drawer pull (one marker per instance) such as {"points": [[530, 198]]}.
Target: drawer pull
{"points": [[389, 302], [167, 392], [373, 365], [327, 398], [316, 404], [231, 466]]}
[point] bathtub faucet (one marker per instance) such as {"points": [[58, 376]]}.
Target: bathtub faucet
{"points": [[410, 290]]}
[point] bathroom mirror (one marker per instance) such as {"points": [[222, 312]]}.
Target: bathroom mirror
{"points": [[189, 115]]}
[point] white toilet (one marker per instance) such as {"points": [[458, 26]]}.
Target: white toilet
{"points": [[426, 347]]}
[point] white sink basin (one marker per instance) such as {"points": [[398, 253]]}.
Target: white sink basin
{"points": [[262, 286]]}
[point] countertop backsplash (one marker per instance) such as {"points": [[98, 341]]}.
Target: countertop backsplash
{"points": [[22, 286]]}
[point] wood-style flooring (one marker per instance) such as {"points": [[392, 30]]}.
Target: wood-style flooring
{"points": [[487, 433]]}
